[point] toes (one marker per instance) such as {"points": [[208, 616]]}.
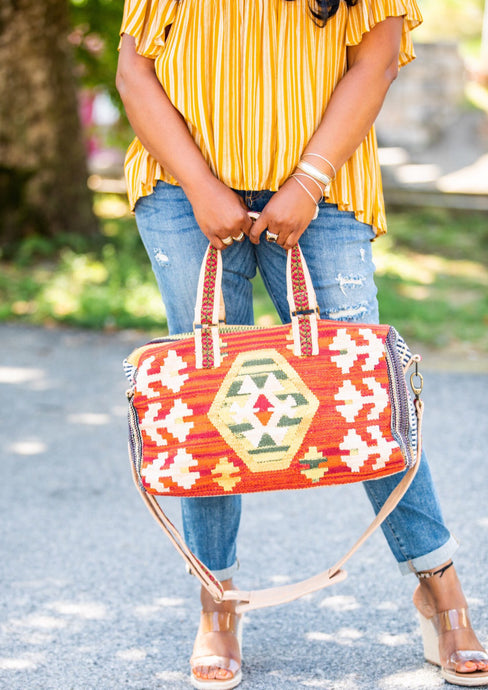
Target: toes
{"points": [[211, 673]]}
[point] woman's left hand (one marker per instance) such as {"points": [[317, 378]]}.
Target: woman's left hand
{"points": [[287, 215]]}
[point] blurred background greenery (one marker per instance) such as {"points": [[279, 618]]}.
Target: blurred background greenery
{"points": [[432, 267]]}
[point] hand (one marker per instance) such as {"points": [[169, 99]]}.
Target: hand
{"points": [[220, 212], [287, 214]]}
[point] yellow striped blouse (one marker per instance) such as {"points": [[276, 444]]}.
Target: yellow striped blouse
{"points": [[252, 78]]}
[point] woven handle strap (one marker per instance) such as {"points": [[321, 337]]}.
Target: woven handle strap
{"points": [[210, 309], [249, 600]]}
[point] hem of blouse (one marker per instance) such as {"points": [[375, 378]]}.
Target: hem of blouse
{"points": [[360, 215]]}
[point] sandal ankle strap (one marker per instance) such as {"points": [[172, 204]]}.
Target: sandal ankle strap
{"points": [[219, 621]]}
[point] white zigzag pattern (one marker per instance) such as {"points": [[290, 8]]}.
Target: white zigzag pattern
{"points": [[168, 375], [349, 350], [153, 472], [151, 424], [354, 400], [179, 470], [360, 451]]}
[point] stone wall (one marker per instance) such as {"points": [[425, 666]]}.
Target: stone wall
{"points": [[424, 100]]}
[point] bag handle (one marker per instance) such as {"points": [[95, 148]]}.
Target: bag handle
{"points": [[209, 313], [255, 599]]}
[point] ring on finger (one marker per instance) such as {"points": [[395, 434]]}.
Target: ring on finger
{"points": [[227, 240], [271, 236], [239, 237]]}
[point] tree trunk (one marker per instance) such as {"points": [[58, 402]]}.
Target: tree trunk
{"points": [[43, 170]]}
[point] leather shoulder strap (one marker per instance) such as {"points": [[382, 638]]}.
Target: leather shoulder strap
{"points": [[256, 599]]}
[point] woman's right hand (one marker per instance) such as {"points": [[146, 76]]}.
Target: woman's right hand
{"points": [[220, 212]]}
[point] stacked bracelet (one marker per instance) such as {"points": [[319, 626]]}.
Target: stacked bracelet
{"points": [[326, 160], [295, 177], [314, 172]]}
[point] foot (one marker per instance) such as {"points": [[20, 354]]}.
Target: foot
{"points": [[216, 637], [443, 592]]}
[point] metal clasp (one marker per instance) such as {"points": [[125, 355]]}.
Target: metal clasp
{"points": [[417, 386]]}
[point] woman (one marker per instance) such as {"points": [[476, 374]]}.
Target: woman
{"points": [[267, 106]]}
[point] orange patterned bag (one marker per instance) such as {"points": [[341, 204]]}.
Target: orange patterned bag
{"points": [[233, 409]]}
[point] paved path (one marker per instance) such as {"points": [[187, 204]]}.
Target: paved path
{"points": [[93, 597]]}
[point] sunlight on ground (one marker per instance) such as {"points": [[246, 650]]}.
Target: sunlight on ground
{"points": [[394, 640], [344, 636], [89, 418], [20, 374], [340, 603], [149, 610], [423, 678], [132, 654], [39, 621], [168, 676], [86, 610], [28, 447], [16, 664]]}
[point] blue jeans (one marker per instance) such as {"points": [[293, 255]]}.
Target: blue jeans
{"points": [[337, 249]]}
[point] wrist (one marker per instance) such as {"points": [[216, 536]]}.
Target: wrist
{"points": [[199, 182], [314, 188]]}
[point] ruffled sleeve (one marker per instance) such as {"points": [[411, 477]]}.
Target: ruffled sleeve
{"points": [[367, 13], [147, 21]]}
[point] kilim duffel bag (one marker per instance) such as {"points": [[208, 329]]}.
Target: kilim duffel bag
{"points": [[238, 409]]}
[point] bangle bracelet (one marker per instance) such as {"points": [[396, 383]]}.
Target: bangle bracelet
{"points": [[309, 194], [312, 179], [314, 172], [326, 160]]}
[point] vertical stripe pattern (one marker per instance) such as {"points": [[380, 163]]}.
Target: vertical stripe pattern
{"points": [[252, 79]]}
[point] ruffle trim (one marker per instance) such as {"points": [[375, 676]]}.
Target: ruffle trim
{"points": [[367, 13], [147, 23]]}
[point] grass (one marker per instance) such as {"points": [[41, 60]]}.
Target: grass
{"points": [[432, 277]]}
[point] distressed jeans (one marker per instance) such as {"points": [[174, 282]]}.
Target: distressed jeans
{"points": [[338, 252]]}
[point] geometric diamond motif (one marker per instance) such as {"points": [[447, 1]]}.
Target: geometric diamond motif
{"points": [[263, 410], [226, 469], [315, 464]]}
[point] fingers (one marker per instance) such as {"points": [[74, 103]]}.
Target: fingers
{"points": [[236, 235], [285, 237]]}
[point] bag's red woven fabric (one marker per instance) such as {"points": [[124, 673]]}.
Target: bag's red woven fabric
{"points": [[266, 419]]}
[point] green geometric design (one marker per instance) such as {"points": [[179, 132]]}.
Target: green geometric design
{"points": [[263, 410]]}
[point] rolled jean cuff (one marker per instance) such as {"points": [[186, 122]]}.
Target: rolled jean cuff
{"points": [[224, 574], [430, 560]]}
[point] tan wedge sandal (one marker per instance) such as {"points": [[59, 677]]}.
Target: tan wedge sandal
{"points": [[439, 624], [214, 621]]}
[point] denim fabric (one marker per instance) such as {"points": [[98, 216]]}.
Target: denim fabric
{"points": [[338, 252]]}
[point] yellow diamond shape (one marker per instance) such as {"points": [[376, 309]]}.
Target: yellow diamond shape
{"points": [[271, 444], [223, 471]]}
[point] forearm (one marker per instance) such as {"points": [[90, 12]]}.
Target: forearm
{"points": [[351, 112], [157, 123]]}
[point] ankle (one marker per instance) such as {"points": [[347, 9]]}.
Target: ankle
{"points": [[439, 590], [209, 604]]}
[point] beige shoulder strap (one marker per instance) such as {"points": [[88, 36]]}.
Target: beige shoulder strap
{"points": [[279, 595]]}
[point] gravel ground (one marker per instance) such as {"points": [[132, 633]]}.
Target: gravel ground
{"points": [[93, 596]]}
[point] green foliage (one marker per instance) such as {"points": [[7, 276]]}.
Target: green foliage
{"points": [[432, 276], [95, 37]]}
